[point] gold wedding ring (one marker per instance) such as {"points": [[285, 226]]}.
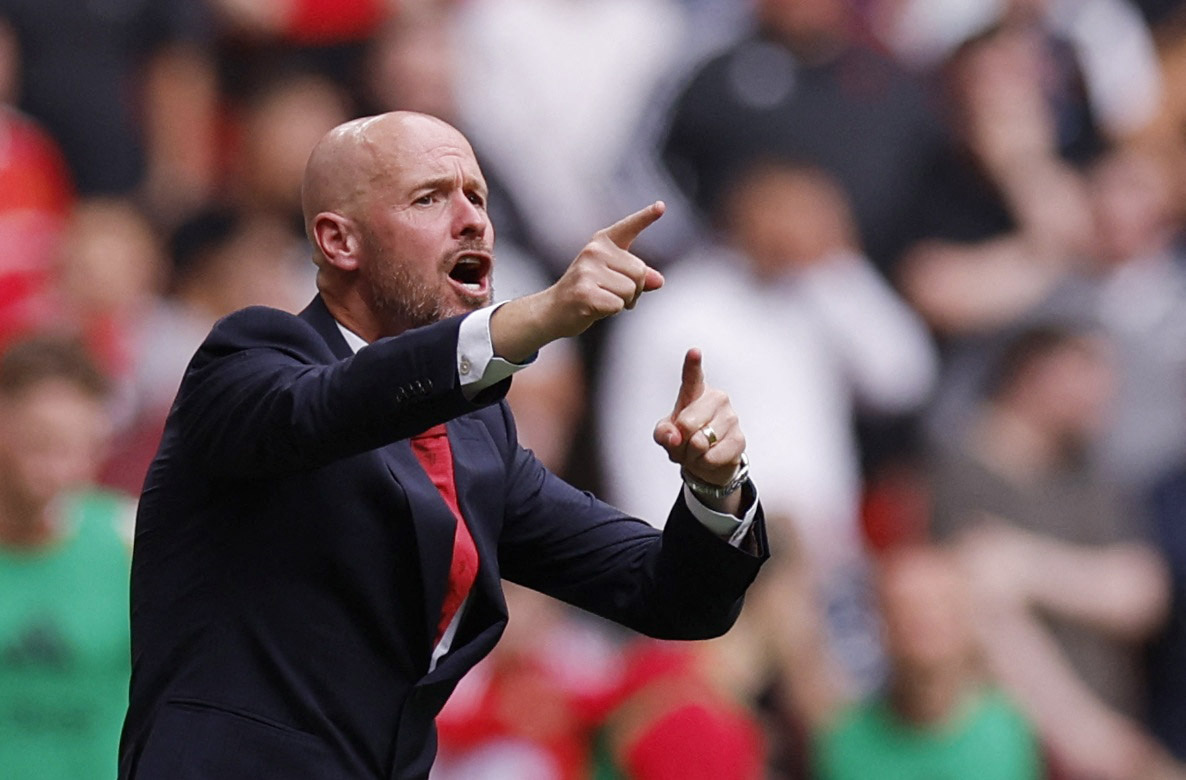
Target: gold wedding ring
{"points": [[709, 434]]}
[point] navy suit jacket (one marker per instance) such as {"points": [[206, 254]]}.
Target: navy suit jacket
{"points": [[291, 555]]}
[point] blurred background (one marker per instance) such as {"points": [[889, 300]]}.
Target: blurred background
{"points": [[933, 250]]}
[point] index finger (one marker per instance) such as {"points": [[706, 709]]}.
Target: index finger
{"points": [[692, 383], [625, 230]]}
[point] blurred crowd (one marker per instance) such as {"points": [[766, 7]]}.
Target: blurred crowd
{"points": [[934, 250]]}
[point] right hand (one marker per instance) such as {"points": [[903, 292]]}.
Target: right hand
{"points": [[604, 279]]}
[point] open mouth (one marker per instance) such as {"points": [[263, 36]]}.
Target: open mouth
{"points": [[471, 271]]}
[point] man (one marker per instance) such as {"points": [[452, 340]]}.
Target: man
{"points": [[1066, 583], [295, 591], [803, 84]]}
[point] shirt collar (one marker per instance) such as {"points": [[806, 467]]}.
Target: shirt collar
{"points": [[353, 340]]}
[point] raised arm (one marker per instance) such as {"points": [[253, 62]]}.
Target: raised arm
{"points": [[265, 395]]}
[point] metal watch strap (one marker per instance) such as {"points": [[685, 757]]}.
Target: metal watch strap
{"points": [[708, 490]]}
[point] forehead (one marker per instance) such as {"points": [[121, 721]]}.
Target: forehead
{"points": [[426, 151]]}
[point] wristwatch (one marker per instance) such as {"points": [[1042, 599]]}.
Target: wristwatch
{"points": [[709, 490]]}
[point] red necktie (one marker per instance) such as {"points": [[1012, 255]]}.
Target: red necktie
{"points": [[435, 455]]}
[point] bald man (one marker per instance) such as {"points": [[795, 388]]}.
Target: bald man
{"points": [[312, 574]]}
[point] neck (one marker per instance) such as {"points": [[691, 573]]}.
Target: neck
{"points": [[203, 301], [26, 524], [354, 315], [930, 697]]}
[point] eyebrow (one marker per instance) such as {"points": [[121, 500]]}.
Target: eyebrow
{"points": [[444, 182]]}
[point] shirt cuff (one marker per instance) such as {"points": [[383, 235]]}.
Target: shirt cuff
{"points": [[477, 366], [725, 526]]}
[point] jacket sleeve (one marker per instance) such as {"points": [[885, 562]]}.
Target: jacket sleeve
{"points": [[264, 395], [680, 583]]}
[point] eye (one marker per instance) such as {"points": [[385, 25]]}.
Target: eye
{"points": [[476, 199]]}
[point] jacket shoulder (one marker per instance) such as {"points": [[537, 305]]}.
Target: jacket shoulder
{"points": [[259, 327]]}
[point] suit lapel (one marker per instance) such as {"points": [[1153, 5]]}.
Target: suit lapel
{"points": [[434, 526], [486, 613], [471, 458]]}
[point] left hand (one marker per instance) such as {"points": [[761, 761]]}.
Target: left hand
{"points": [[699, 410]]}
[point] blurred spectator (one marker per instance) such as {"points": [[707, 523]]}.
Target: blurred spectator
{"points": [[36, 195], [1159, 12], [548, 401], [34, 176], [280, 122], [575, 77], [528, 710], [1000, 217], [126, 87], [64, 561], [803, 86], [1167, 656], [779, 661], [1138, 295], [222, 261], [10, 64], [800, 329], [1100, 74], [937, 716], [713, 23], [1165, 135], [1131, 282], [672, 722], [303, 22], [558, 699], [110, 267], [1065, 580]]}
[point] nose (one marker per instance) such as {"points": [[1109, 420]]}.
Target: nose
{"points": [[469, 219]]}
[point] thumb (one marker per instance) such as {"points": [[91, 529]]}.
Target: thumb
{"points": [[667, 435], [652, 281]]}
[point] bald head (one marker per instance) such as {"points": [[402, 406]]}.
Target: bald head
{"points": [[354, 158]]}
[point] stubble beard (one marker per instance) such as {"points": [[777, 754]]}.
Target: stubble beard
{"points": [[403, 301]]}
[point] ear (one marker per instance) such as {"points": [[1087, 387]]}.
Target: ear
{"points": [[337, 238]]}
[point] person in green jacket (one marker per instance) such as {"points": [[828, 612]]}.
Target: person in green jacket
{"points": [[938, 718], [64, 567]]}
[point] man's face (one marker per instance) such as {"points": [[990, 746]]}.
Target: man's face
{"points": [[427, 240]]}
